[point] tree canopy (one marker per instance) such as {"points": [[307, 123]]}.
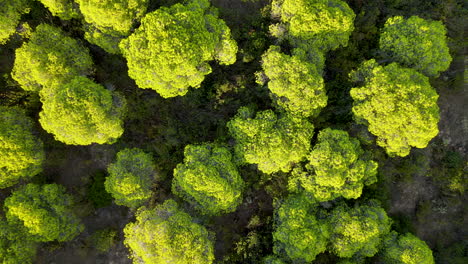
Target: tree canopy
{"points": [[296, 84], [358, 231], [299, 232], [10, 16], [65, 9], [417, 43], [130, 177], [49, 58], [45, 211], [272, 142], [398, 105], [171, 49], [208, 179], [15, 245], [337, 166], [166, 234], [82, 112], [406, 249], [21, 152], [326, 24]]}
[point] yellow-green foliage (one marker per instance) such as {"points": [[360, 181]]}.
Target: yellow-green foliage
{"points": [[299, 233], [49, 58], [273, 143], [326, 24], [130, 177], [406, 249], [21, 153], [358, 231], [15, 245], [166, 234], [110, 20], [398, 105], [45, 211], [170, 51], [10, 16], [296, 85], [272, 260], [337, 167], [208, 179], [65, 9], [82, 112], [416, 43]]}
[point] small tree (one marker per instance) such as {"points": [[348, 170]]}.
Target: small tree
{"points": [[171, 49], [65, 9], [337, 166], [299, 232], [208, 179], [10, 16], [326, 24], [82, 112], [130, 177], [16, 246], [44, 211], [296, 84], [406, 249], [166, 234], [416, 43], [398, 105], [273, 143], [49, 58], [21, 152], [358, 231]]}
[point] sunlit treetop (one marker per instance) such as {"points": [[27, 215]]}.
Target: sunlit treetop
{"points": [[82, 112], [406, 249], [417, 43], [15, 245], [299, 234], [208, 179], [171, 49], [324, 23], [337, 166], [166, 234], [21, 152], [358, 231], [45, 211], [398, 105], [65, 9], [295, 84], [130, 177], [49, 58], [10, 16], [274, 143]]}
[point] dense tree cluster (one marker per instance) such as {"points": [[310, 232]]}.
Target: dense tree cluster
{"points": [[208, 179], [10, 16], [406, 249], [15, 245], [65, 9]]}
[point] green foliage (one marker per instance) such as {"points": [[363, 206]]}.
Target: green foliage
{"points": [[406, 249], [10, 16], [299, 232], [45, 212], [21, 152], [358, 231], [273, 143], [82, 112], [326, 24], [416, 43], [110, 21], [97, 193], [337, 167], [103, 239], [272, 259], [296, 84], [49, 58], [208, 179], [65, 9], [398, 105], [166, 234], [15, 245], [130, 177], [171, 49]]}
